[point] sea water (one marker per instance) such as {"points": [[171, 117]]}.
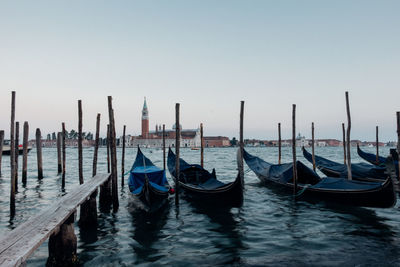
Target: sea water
{"points": [[271, 228]]}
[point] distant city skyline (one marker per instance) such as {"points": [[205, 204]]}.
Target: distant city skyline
{"points": [[207, 56]]}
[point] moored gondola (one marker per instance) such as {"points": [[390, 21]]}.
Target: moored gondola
{"points": [[311, 186], [201, 185], [359, 171], [371, 158], [148, 183]]}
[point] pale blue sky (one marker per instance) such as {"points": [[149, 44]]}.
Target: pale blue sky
{"points": [[207, 55]]}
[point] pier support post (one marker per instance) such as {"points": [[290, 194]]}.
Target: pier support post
{"points": [[39, 153], [62, 245], [108, 148], [88, 215], [398, 138], [25, 153], [201, 146]]}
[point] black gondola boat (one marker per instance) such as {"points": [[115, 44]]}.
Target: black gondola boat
{"points": [[371, 158], [311, 186], [359, 171], [148, 183], [203, 186]]}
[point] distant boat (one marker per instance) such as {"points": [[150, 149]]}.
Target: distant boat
{"points": [[6, 150], [195, 148]]}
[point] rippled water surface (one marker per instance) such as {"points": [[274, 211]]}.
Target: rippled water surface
{"points": [[269, 229]]}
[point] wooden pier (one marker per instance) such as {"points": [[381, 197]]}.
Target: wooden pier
{"points": [[55, 222]]}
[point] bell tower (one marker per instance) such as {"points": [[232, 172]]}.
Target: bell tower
{"points": [[145, 120]]}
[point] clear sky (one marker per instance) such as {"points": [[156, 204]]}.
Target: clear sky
{"points": [[206, 55]]}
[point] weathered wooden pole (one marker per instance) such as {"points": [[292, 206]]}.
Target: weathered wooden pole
{"points": [[59, 164], [16, 154], [377, 145], [12, 155], [80, 155], [348, 137], [201, 146], [241, 143], [279, 144], [96, 145], [163, 143], [1, 147], [177, 146], [312, 145], [113, 150], [123, 157], [39, 153], [398, 137], [63, 244], [63, 155], [108, 148], [294, 149], [344, 144], [25, 153]]}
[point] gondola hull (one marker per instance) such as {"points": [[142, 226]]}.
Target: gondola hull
{"points": [[383, 197], [150, 199], [229, 195], [354, 193]]}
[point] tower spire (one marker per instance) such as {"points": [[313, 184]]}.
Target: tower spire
{"points": [[145, 120]]}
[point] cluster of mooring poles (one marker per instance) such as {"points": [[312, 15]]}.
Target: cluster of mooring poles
{"points": [[346, 142]]}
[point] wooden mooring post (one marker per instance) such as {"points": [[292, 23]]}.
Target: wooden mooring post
{"points": [[59, 164], [96, 145], [113, 150], [12, 155], [25, 153], [123, 157], [177, 147], [54, 222], [108, 148], [80, 155], [1, 147], [163, 144], [312, 145], [294, 149], [39, 153], [201, 146], [63, 155], [348, 137], [279, 144], [377, 145], [241, 143], [16, 154], [398, 137], [344, 144]]}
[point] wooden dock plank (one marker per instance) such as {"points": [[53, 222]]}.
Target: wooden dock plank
{"points": [[17, 245]]}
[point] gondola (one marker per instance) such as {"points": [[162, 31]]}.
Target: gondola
{"points": [[148, 183], [7, 150], [371, 158], [359, 171], [203, 186], [312, 187]]}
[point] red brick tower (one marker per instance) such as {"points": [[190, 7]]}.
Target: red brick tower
{"points": [[145, 120]]}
